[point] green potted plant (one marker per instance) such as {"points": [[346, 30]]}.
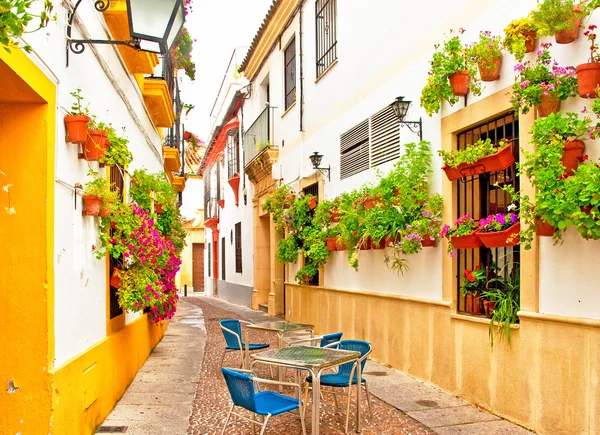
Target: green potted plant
{"points": [[117, 153], [472, 286], [281, 199], [588, 74], [486, 53], [94, 193], [462, 236], [520, 36], [543, 84], [15, 16], [481, 157], [560, 18], [505, 299], [499, 230], [96, 144], [452, 74], [76, 122], [181, 53]]}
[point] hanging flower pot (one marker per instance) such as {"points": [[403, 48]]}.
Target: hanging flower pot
{"points": [[365, 244], [530, 41], [115, 279], [335, 217], [77, 128], [312, 203], [588, 79], [339, 244], [96, 145], [460, 83], [428, 241], [490, 73], [91, 205], [569, 35], [500, 239], [331, 244], [468, 241], [571, 152], [492, 163], [550, 104], [289, 200], [104, 211], [543, 228], [158, 208]]}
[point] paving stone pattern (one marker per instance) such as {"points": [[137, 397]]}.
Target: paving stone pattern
{"points": [[212, 399]]}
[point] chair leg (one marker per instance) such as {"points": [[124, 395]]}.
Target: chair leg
{"points": [[223, 357], [302, 420], [264, 426], [348, 408], [253, 424], [336, 401], [227, 419], [304, 398], [369, 401], [242, 355]]}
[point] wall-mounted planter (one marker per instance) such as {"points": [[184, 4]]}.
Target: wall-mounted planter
{"points": [[588, 79], [569, 35], [158, 208], [543, 228], [91, 205], [221, 203], [500, 239], [96, 145], [428, 241], [550, 104], [312, 203], [460, 83], [490, 73], [76, 126], [571, 152], [115, 279], [492, 163], [468, 241], [104, 211], [339, 245], [331, 244], [530, 41]]}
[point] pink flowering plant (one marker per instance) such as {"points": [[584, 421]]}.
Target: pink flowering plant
{"points": [[463, 226], [498, 221], [485, 50], [543, 77]]}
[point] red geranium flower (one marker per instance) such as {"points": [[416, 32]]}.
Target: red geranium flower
{"points": [[469, 275]]}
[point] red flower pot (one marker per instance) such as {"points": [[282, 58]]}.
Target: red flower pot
{"points": [[500, 239], [104, 211], [468, 241], [550, 104], [339, 245], [77, 130], [289, 200], [380, 245], [221, 203], [469, 303], [460, 83], [491, 306], [158, 208], [492, 163], [588, 79], [428, 242], [331, 245], [312, 203], [477, 304], [91, 205], [490, 73], [115, 279], [96, 145], [543, 228], [365, 244], [569, 35], [571, 151], [335, 217], [530, 41]]}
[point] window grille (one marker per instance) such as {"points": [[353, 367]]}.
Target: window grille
{"points": [[223, 258], [326, 34], [117, 184], [209, 260], [219, 184], [385, 136], [479, 197], [354, 150], [233, 155], [238, 247], [313, 190], [290, 73]]}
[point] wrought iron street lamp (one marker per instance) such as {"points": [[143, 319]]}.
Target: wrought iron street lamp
{"points": [[153, 25], [401, 109], [315, 159]]}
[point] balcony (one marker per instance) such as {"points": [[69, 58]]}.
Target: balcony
{"points": [[257, 137], [178, 183], [159, 101], [171, 154]]}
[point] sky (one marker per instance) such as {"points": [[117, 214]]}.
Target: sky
{"points": [[218, 26]]}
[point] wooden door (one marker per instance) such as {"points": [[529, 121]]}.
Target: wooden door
{"points": [[198, 266]]}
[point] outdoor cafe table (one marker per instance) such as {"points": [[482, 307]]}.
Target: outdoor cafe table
{"points": [[315, 360]]}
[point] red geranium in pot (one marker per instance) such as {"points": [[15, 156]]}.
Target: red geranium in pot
{"points": [[462, 236], [473, 283], [588, 74]]}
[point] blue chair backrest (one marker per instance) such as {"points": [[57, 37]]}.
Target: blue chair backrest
{"points": [[233, 325], [241, 389], [331, 338], [357, 346]]}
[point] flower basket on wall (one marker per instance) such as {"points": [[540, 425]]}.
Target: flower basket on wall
{"points": [[158, 208], [91, 205], [115, 279], [588, 79], [572, 151], [460, 83], [500, 239], [428, 241], [490, 73], [569, 35], [339, 244], [331, 244], [96, 145], [77, 128], [543, 228], [469, 241], [530, 41], [492, 163], [550, 104], [312, 203]]}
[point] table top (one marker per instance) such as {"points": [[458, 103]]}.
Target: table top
{"points": [[279, 326], [307, 356]]}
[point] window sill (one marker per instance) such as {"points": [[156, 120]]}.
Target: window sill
{"points": [[329, 68], [288, 109], [482, 320]]}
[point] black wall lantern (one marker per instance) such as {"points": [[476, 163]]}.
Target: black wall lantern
{"points": [[315, 159], [153, 25], [401, 109]]}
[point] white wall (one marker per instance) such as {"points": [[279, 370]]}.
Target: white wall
{"points": [[80, 280], [384, 49]]}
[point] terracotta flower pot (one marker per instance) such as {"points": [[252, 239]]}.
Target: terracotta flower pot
{"points": [[221, 203], [312, 203], [428, 241], [365, 244], [477, 304], [104, 211], [335, 217], [331, 245], [468, 241], [530, 41], [91, 205], [571, 151], [460, 83], [486, 307], [469, 303], [77, 129], [492, 163], [158, 208], [289, 200], [543, 228], [380, 245], [490, 73], [491, 306], [569, 35], [588, 79], [96, 145], [115, 279], [339, 245], [550, 104], [500, 239]]}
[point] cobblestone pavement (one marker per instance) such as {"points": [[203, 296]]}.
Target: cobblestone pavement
{"points": [[212, 399]]}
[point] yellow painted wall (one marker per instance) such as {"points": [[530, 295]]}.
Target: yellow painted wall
{"points": [[87, 387]]}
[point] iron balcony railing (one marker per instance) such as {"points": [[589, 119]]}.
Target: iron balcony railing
{"points": [[258, 136]]}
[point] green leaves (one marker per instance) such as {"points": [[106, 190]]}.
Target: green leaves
{"points": [[14, 19]]}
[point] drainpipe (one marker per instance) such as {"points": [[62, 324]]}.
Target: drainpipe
{"points": [[301, 34], [243, 155]]}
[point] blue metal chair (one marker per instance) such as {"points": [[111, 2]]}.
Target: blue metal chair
{"points": [[232, 330], [245, 393], [345, 376], [323, 340]]}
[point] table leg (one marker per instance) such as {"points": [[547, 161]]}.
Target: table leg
{"points": [[247, 345], [281, 370], [358, 386], [316, 399]]}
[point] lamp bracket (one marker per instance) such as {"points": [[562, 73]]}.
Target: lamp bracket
{"points": [[323, 170], [414, 126]]}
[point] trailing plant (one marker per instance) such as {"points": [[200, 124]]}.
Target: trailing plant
{"points": [[288, 249], [498, 221], [563, 127], [15, 16], [543, 77], [181, 53], [471, 153], [553, 16], [507, 301], [117, 153], [487, 49], [464, 225], [516, 35], [277, 203], [449, 58]]}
